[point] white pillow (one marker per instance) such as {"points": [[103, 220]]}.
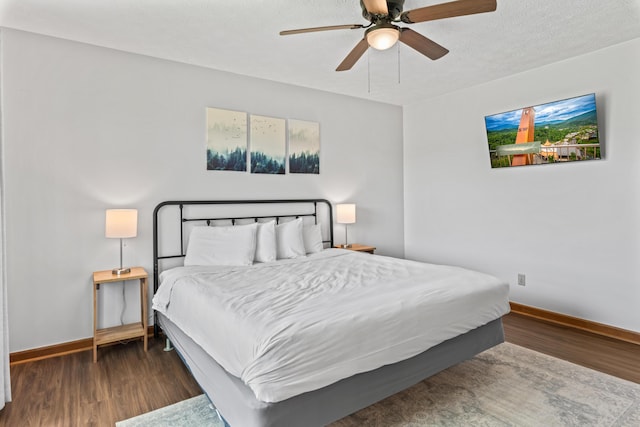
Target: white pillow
{"points": [[312, 238], [289, 243], [230, 245], [266, 242]]}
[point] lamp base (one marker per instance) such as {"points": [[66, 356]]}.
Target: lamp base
{"points": [[120, 271], [346, 246]]}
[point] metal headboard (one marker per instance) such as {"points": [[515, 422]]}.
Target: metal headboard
{"points": [[311, 211]]}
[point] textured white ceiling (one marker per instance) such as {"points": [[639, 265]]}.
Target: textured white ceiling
{"points": [[241, 36]]}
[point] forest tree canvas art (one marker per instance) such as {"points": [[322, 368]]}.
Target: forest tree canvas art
{"points": [[226, 140], [236, 139], [304, 147], [268, 144], [556, 132]]}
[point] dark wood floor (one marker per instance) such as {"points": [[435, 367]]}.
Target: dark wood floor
{"points": [[613, 357], [73, 391]]}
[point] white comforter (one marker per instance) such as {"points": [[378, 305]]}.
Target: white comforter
{"points": [[294, 326]]}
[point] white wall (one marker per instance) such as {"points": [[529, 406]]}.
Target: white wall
{"points": [[88, 128], [573, 229]]}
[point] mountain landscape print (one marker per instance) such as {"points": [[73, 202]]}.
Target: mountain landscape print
{"points": [[556, 132]]}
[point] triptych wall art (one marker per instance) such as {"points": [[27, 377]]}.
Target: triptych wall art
{"points": [[236, 140]]}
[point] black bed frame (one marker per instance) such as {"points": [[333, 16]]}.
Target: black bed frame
{"points": [[184, 219]]}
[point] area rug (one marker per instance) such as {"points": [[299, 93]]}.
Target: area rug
{"points": [[193, 412], [507, 385]]}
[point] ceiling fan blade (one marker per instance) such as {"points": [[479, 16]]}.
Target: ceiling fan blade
{"points": [[448, 10], [422, 44], [353, 56], [376, 7], [327, 28]]}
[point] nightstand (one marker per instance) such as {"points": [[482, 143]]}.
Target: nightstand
{"points": [[359, 248], [124, 332]]}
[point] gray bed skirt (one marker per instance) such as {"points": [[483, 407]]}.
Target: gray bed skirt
{"points": [[239, 407]]}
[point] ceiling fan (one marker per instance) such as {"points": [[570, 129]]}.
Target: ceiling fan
{"points": [[381, 33]]}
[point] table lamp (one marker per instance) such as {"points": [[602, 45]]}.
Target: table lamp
{"points": [[346, 214], [121, 224]]}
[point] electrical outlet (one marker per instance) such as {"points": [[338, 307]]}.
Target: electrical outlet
{"points": [[521, 279]]}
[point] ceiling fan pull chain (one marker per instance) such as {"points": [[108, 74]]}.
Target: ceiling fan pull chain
{"points": [[368, 72], [398, 63]]}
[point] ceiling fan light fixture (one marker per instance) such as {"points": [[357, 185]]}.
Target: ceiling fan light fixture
{"points": [[381, 34], [382, 37]]}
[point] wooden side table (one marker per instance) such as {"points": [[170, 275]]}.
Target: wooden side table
{"points": [[124, 332], [359, 248]]}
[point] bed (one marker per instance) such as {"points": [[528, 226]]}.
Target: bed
{"points": [[307, 335]]}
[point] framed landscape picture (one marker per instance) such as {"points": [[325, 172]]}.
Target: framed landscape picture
{"points": [[557, 132], [268, 144], [226, 140], [304, 147]]}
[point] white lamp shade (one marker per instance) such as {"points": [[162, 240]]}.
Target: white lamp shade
{"points": [[121, 223], [383, 38], [346, 213]]}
